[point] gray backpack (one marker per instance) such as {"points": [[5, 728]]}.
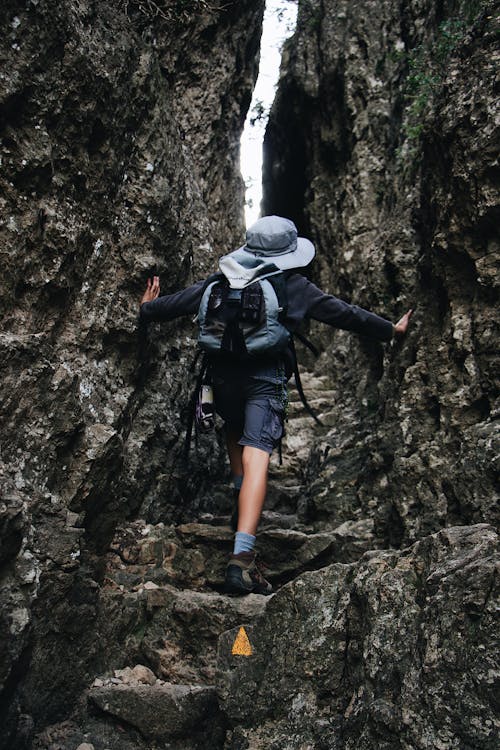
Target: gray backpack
{"points": [[245, 322]]}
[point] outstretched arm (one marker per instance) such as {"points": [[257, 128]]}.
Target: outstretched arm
{"points": [[308, 301], [401, 326], [156, 308], [152, 290]]}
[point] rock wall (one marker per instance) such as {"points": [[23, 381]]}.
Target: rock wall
{"points": [[382, 146], [395, 651], [119, 126]]}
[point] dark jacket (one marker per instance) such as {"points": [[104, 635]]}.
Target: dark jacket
{"points": [[305, 300]]}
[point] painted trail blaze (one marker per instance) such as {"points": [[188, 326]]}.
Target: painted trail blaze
{"points": [[241, 645]]}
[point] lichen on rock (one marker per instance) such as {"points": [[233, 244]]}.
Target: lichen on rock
{"points": [[397, 650], [400, 219], [119, 127]]}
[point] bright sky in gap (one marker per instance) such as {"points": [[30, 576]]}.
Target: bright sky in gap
{"points": [[280, 18]]}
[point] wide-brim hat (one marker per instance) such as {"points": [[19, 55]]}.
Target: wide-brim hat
{"points": [[276, 237], [272, 246], [273, 239]]}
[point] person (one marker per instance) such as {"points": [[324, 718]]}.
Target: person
{"points": [[251, 394]]}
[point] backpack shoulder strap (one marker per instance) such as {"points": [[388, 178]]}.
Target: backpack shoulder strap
{"points": [[217, 276], [278, 283], [307, 343]]}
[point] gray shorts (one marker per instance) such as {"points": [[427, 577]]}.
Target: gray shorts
{"points": [[251, 400]]}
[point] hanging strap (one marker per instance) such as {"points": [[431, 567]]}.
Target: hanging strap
{"points": [[280, 451], [192, 401], [298, 383], [303, 340]]}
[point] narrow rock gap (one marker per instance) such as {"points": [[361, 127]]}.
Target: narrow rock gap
{"points": [[280, 19], [122, 161], [174, 573]]}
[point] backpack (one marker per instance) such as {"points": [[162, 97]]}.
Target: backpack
{"points": [[243, 323]]}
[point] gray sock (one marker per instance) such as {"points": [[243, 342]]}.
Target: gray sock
{"points": [[243, 542]]}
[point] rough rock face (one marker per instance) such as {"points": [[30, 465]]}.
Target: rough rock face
{"points": [[382, 146], [119, 127], [395, 651]]}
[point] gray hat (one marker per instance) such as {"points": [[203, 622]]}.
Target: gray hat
{"points": [[272, 245]]}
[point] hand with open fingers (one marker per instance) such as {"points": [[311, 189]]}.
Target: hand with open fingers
{"points": [[402, 325], [152, 290]]}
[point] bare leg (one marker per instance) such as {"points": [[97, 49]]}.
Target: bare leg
{"points": [[255, 463]]}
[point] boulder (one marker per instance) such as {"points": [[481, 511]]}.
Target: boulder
{"points": [[398, 649], [160, 712]]}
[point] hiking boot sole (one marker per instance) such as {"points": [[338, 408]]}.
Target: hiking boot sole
{"points": [[234, 586], [236, 591]]}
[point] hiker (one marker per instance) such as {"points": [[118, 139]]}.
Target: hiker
{"points": [[250, 392]]}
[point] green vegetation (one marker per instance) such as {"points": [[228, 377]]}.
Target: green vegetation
{"points": [[428, 68], [310, 15]]}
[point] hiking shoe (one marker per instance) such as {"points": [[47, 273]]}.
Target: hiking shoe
{"points": [[234, 515], [244, 577]]}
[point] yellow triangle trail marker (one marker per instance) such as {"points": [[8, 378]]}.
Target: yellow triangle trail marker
{"points": [[241, 645]]}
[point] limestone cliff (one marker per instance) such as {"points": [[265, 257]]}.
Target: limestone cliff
{"points": [[382, 145], [119, 127]]}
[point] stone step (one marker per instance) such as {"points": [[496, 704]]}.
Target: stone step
{"points": [[318, 402], [163, 712], [289, 552], [268, 518], [180, 640], [173, 631], [194, 555], [424, 616]]}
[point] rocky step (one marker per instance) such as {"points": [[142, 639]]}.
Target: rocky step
{"points": [[173, 631], [300, 427], [310, 380], [302, 432], [164, 712], [195, 555], [316, 388], [269, 518], [296, 450], [319, 402], [139, 715], [283, 498], [283, 493], [399, 650]]}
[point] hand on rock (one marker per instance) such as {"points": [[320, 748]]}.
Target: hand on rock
{"points": [[402, 325], [152, 290]]}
